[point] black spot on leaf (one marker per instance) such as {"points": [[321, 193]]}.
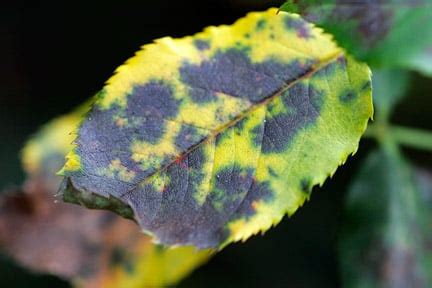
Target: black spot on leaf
{"points": [[260, 191], [373, 19], [347, 96], [303, 103], [306, 185], [300, 26], [231, 72], [261, 24], [201, 44], [153, 99], [272, 172], [188, 136], [231, 181], [154, 129], [200, 95]]}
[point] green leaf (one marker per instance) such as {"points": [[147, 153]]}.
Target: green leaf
{"points": [[89, 248], [212, 138], [422, 62], [385, 33], [386, 235], [390, 86]]}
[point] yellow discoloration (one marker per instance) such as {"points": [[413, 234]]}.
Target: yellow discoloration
{"points": [[73, 162], [54, 138], [244, 148], [274, 40], [152, 155], [213, 114], [225, 155], [303, 160], [162, 60], [151, 265], [203, 188], [292, 163], [116, 169], [159, 267]]}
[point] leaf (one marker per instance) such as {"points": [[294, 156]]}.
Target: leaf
{"points": [[421, 62], [385, 33], [44, 153], [390, 86], [90, 248], [212, 138], [386, 235]]}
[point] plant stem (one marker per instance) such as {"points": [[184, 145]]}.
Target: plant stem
{"points": [[410, 137]]}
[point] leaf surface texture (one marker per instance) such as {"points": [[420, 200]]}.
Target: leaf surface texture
{"points": [[212, 138], [87, 247]]}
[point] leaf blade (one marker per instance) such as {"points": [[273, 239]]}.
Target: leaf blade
{"points": [[274, 83], [371, 30], [88, 248], [385, 232]]}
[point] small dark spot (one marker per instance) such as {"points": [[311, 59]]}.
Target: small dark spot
{"points": [[366, 86], [239, 126], [342, 61], [306, 185], [348, 96], [201, 44], [101, 94], [300, 26], [120, 257], [159, 249], [272, 172], [261, 24], [117, 256], [221, 136], [247, 35], [220, 115]]}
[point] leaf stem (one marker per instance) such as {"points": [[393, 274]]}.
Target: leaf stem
{"points": [[410, 137]]}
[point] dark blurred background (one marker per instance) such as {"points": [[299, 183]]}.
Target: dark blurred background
{"points": [[55, 54]]}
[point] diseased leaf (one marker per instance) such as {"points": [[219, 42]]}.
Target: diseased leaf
{"points": [[386, 33], [90, 248], [386, 235], [213, 138], [43, 154]]}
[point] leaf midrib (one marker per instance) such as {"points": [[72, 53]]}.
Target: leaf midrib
{"points": [[325, 62]]}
